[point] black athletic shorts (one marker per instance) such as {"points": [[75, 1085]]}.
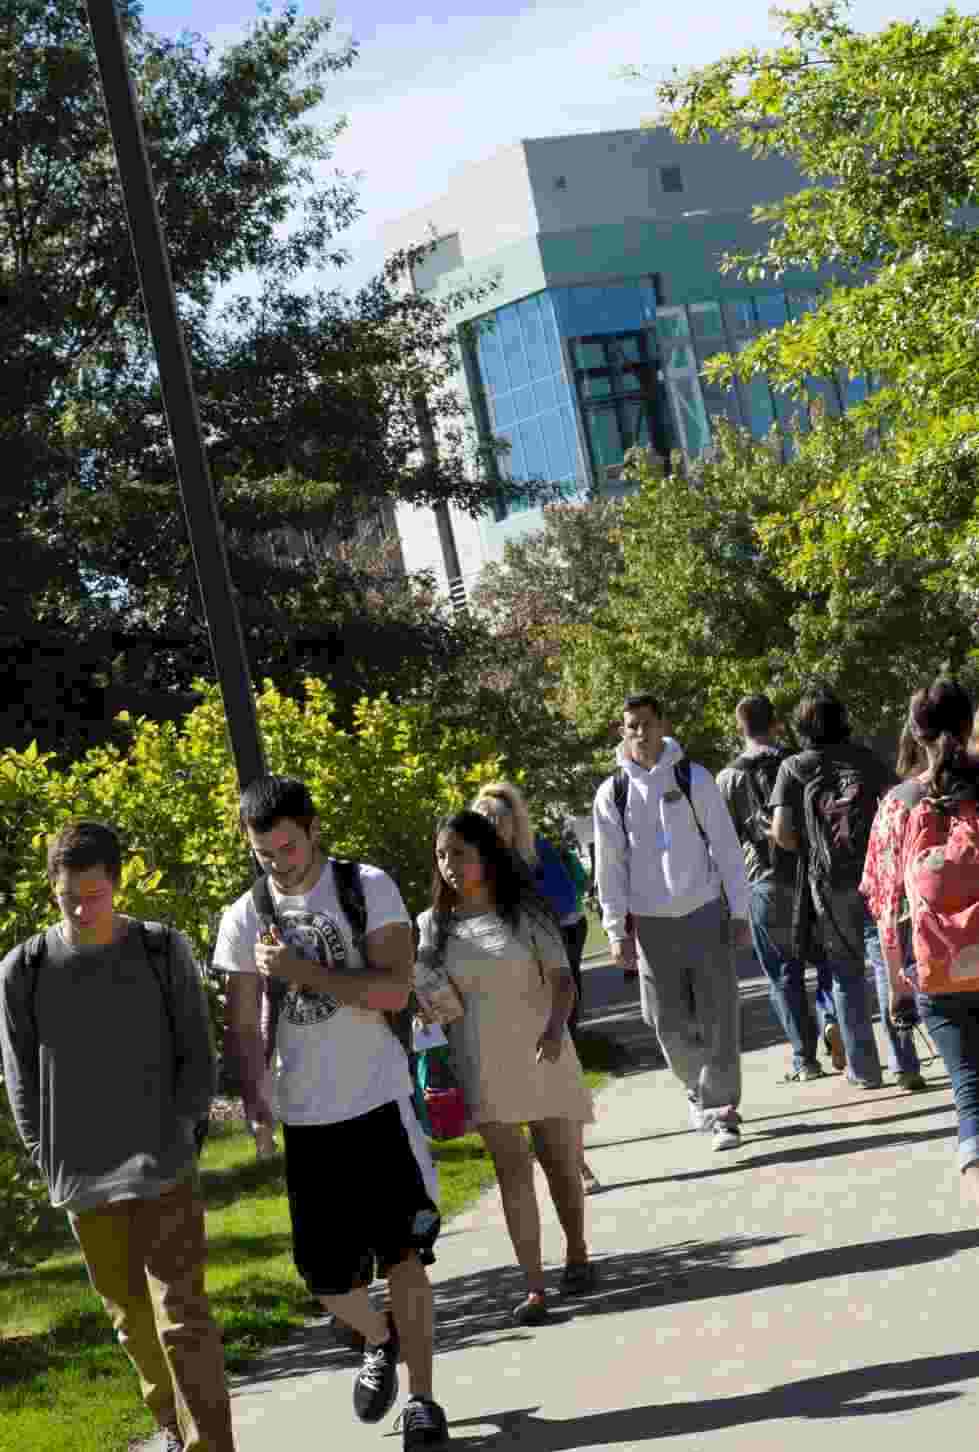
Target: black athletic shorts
{"points": [[357, 1200]]}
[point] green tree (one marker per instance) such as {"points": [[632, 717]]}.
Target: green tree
{"points": [[307, 398], [884, 127], [709, 604]]}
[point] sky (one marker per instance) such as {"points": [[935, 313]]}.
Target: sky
{"points": [[455, 81]]}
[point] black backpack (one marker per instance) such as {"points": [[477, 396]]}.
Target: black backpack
{"points": [[156, 945], [353, 904], [838, 807], [760, 773]]}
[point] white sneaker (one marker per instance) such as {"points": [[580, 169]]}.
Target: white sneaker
{"points": [[698, 1116], [727, 1136]]}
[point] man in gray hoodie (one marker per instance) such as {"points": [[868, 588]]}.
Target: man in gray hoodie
{"points": [[109, 1066], [666, 857]]}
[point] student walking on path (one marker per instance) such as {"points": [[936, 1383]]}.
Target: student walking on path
{"points": [[924, 859], [318, 952], [746, 786], [503, 804], [490, 945], [108, 1062], [667, 856], [824, 804]]}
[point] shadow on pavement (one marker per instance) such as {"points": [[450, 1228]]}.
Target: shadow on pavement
{"points": [[894, 1386], [740, 1160], [475, 1309]]}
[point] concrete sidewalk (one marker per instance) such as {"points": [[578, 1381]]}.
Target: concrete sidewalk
{"points": [[804, 1289]]}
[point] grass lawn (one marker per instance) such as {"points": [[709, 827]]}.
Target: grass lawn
{"points": [[64, 1384]]}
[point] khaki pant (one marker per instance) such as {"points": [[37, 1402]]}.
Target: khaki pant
{"points": [[145, 1258]]}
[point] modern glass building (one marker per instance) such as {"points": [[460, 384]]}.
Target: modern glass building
{"points": [[606, 253]]}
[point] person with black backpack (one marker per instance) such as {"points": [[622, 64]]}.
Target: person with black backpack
{"points": [[823, 807], [109, 1067], [320, 954], [746, 785], [671, 878]]}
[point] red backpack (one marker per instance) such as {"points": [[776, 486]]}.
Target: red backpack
{"points": [[941, 879]]}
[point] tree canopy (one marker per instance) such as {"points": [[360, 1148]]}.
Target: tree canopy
{"points": [[868, 535], [308, 396]]}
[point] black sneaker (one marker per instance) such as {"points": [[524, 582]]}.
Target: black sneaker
{"points": [[376, 1385], [423, 1424]]}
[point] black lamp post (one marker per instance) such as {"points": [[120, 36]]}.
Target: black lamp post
{"points": [[179, 399]]}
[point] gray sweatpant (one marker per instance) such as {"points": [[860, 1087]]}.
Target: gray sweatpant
{"points": [[689, 989]]}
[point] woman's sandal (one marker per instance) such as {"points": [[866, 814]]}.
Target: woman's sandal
{"points": [[532, 1310], [578, 1278]]}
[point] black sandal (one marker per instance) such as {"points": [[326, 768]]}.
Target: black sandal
{"points": [[578, 1278], [532, 1310]]}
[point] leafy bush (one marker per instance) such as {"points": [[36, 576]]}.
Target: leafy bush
{"points": [[171, 789]]}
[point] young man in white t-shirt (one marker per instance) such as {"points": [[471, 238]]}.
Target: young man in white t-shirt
{"points": [[360, 1179]]}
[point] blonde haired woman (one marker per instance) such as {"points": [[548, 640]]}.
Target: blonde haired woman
{"points": [[503, 804]]}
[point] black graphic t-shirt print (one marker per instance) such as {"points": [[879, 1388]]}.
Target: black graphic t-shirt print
{"points": [[316, 937]]}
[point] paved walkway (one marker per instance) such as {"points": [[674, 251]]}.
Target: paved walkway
{"points": [[816, 1288]]}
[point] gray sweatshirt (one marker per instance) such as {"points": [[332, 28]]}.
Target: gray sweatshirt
{"points": [[105, 1095]]}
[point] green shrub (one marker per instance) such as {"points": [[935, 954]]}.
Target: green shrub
{"points": [[171, 789]]}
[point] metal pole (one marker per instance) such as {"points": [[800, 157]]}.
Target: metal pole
{"points": [[179, 400]]}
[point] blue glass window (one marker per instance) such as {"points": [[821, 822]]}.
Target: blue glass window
{"points": [[758, 404], [771, 309], [535, 344], [613, 308], [560, 458], [740, 317], [523, 403], [512, 344], [545, 395], [535, 455]]}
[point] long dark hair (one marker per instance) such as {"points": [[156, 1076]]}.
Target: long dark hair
{"points": [[508, 876], [941, 717], [911, 757]]}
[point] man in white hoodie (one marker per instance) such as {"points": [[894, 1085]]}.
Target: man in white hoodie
{"points": [[666, 857]]}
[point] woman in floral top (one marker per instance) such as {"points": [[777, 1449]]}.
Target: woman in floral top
{"points": [[941, 719]]}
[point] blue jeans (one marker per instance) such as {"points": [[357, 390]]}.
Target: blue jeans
{"points": [[953, 1022], [787, 983], [901, 1053]]}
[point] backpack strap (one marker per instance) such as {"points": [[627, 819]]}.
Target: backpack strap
{"points": [[350, 895], [32, 954], [349, 886], [683, 771], [620, 795], [156, 946], [262, 899]]}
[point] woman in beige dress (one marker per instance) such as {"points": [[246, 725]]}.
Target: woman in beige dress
{"points": [[490, 946], [504, 805]]}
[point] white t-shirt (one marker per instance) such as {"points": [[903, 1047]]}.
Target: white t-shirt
{"points": [[333, 1061]]}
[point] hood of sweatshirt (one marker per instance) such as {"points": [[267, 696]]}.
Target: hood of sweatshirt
{"points": [[672, 753]]}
